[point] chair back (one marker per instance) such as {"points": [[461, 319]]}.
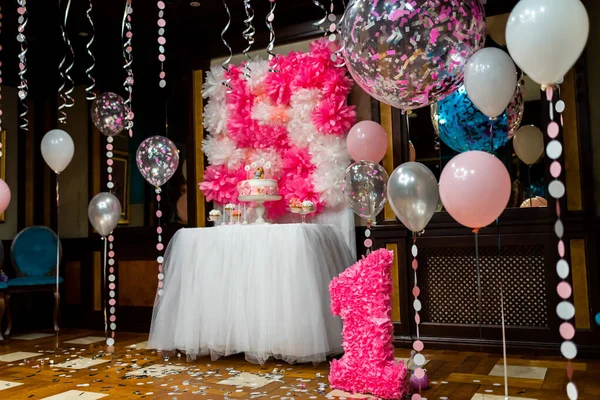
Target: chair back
{"points": [[34, 251]]}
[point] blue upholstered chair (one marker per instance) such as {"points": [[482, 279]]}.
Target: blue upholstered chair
{"points": [[34, 259]]}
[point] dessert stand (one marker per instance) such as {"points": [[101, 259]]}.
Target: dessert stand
{"points": [[260, 207], [303, 214]]}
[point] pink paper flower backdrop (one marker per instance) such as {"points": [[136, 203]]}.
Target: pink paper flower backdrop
{"points": [[361, 295], [296, 118]]}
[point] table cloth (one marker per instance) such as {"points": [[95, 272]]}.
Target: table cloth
{"points": [[262, 290]]}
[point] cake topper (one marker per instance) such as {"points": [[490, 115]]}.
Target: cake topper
{"points": [[259, 168]]}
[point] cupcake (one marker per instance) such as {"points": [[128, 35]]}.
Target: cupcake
{"points": [[308, 206], [236, 214], [230, 207], [214, 215], [296, 205]]}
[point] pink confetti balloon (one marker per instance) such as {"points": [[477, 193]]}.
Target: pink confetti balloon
{"points": [[410, 55], [108, 113], [157, 159]]}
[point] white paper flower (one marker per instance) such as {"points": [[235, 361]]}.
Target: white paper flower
{"points": [[328, 184], [213, 86], [222, 150], [328, 151], [215, 116], [258, 72]]}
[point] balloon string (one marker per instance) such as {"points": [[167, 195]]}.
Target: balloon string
{"points": [[23, 85], [530, 186], [479, 295], [67, 82], [504, 344], [225, 64], [112, 310], [104, 278], [90, 94], [57, 231], [269, 21], [248, 34], [126, 36]]}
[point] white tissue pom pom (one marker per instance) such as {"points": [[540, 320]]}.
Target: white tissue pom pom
{"points": [[213, 86], [258, 72], [261, 112], [301, 132], [220, 150], [328, 151], [215, 116], [328, 184]]}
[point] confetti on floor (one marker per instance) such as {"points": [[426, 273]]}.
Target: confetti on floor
{"points": [[156, 371], [481, 396], [340, 394]]}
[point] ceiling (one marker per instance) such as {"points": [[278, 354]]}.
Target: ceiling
{"points": [[192, 33]]}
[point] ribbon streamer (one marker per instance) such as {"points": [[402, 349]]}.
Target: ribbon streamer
{"points": [[225, 64], [161, 43], [269, 21], [23, 86], [319, 23], [57, 232], [248, 34], [90, 94], [0, 81], [339, 54], [67, 82], [126, 36]]}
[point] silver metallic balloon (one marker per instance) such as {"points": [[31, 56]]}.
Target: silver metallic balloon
{"points": [[157, 158], [108, 113], [364, 188], [104, 212], [413, 195]]}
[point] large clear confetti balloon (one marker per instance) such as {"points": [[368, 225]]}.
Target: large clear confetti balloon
{"points": [[462, 127], [410, 54], [108, 114], [157, 159], [365, 187]]}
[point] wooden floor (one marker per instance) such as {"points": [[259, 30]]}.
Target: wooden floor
{"points": [[39, 368]]}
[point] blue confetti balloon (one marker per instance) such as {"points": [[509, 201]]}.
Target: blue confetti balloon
{"points": [[462, 127]]}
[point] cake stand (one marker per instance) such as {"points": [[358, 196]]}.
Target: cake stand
{"points": [[260, 207]]}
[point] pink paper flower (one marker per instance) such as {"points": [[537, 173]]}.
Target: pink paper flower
{"points": [[361, 295], [220, 185], [333, 116]]}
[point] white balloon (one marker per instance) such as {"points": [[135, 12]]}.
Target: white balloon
{"points": [[57, 149], [529, 144], [546, 37], [491, 80]]}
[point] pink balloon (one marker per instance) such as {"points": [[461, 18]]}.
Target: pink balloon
{"points": [[367, 141], [4, 196], [475, 188]]}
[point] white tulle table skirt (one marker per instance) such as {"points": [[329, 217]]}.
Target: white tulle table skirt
{"points": [[258, 290]]}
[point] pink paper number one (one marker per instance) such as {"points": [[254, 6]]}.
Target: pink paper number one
{"points": [[362, 297]]}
